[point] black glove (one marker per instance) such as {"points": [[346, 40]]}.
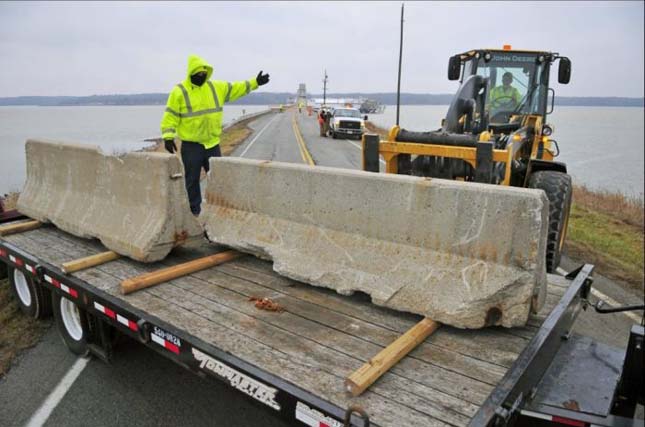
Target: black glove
{"points": [[262, 79], [170, 145]]}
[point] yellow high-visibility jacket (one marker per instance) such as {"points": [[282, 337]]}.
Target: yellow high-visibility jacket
{"points": [[194, 113], [502, 98]]}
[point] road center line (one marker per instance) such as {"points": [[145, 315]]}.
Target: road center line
{"points": [[609, 300], [361, 148], [258, 135], [42, 414], [304, 152]]}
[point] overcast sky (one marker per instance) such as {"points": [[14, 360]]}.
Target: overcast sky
{"points": [[84, 48]]}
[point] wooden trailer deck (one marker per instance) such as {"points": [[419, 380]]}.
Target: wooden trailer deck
{"points": [[319, 339]]}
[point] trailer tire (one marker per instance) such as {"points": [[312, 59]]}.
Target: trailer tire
{"points": [[71, 327], [33, 299], [559, 189]]}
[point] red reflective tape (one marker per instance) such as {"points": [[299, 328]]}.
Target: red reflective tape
{"points": [[568, 421], [55, 283], [73, 293], [170, 346], [110, 313], [132, 325], [321, 424], [3, 253], [19, 262]]}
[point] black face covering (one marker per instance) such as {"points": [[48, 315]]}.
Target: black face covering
{"points": [[198, 79]]}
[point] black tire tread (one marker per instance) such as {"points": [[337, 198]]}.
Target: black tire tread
{"points": [[558, 188]]}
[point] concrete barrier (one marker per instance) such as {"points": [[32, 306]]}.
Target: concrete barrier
{"points": [[135, 203], [245, 117], [464, 254]]}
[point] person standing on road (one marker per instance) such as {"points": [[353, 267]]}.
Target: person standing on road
{"points": [[326, 118], [194, 114], [321, 121]]}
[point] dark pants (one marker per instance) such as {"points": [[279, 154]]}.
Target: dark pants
{"points": [[195, 157]]}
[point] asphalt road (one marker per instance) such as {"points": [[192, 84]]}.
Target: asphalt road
{"points": [[273, 139], [276, 140], [326, 151], [142, 388]]}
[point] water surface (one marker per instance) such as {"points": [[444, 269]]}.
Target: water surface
{"points": [[113, 128]]}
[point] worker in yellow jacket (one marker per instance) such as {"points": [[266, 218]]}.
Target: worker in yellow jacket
{"points": [[504, 97], [194, 115]]}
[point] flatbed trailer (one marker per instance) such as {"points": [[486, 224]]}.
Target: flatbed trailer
{"points": [[293, 363]]}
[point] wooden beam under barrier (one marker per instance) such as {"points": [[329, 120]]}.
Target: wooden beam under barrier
{"points": [[20, 227], [164, 275], [367, 374], [89, 261]]}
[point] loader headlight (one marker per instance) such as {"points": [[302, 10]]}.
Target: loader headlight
{"points": [[547, 130]]}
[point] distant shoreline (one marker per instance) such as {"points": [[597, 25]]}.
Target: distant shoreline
{"points": [[269, 98], [263, 105]]}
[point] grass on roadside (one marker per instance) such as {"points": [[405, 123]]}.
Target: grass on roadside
{"points": [[17, 331], [233, 137], [382, 132], [606, 229]]}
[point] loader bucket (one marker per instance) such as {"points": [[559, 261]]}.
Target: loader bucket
{"points": [[464, 254]]}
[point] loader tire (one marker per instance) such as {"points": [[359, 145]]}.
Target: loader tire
{"points": [[558, 189]]}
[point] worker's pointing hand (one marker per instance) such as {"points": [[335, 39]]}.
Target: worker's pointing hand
{"points": [[262, 79]]}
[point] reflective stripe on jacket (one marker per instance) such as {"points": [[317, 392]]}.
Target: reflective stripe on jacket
{"points": [[194, 113]]}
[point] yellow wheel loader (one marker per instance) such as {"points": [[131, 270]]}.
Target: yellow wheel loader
{"points": [[495, 132]]}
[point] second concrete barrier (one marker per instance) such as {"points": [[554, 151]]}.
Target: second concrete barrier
{"points": [[465, 254]]}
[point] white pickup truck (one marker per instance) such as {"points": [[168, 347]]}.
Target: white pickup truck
{"points": [[347, 122]]}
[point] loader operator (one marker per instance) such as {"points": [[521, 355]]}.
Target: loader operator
{"points": [[504, 97], [194, 114]]}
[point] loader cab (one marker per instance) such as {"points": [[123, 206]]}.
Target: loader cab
{"points": [[528, 92]]}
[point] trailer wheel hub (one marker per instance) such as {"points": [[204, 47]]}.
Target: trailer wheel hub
{"points": [[71, 319], [22, 288]]}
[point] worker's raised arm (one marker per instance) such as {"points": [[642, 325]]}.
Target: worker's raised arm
{"points": [[171, 117], [239, 89]]}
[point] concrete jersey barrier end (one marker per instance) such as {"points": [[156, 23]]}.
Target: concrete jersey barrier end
{"points": [[134, 203]]}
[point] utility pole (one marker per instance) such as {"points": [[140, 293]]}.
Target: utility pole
{"points": [[325, 89], [398, 87]]}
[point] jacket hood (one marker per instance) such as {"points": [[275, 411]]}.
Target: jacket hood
{"points": [[194, 63]]}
